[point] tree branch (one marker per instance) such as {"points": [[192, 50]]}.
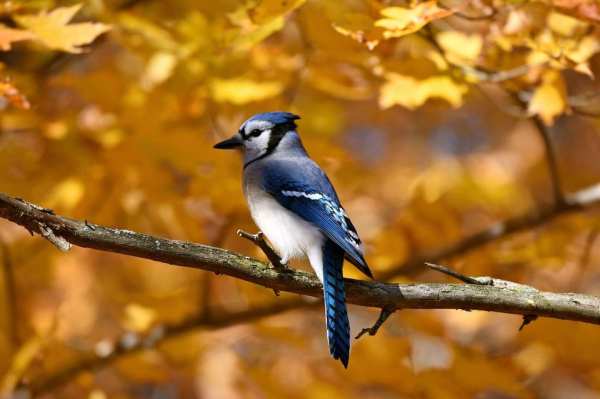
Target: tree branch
{"points": [[499, 296]]}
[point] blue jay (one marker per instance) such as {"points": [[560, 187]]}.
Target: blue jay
{"points": [[294, 204]]}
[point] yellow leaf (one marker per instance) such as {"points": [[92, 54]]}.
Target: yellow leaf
{"points": [[159, 69], [586, 48], [259, 22], [359, 27], [565, 25], [412, 93], [54, 31], [550, 98], [460, 47], [66, 194], [20, 363], [400, 21], [9, 36], [138, 318], [247, 40], [241, 91], [150, 32]]}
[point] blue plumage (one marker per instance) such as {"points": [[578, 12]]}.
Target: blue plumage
{"points": [[311, 196], [296, 207], [276, 118], [336, 314]]}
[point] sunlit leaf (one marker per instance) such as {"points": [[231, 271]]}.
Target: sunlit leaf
{"points": [[400, 21], [54, 30], [565, 25], [66, 194], [460, 47], [9, 35], [359, 27], [550, 98], [412, 93], [242, 90], [20, 363], [159, 68], [138, 318]]}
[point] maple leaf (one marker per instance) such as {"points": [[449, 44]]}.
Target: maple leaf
{"points": [[242, 91], [54, 31], [550, 98], [459, 47], [412, 93], [400, 21], [9, 36]]}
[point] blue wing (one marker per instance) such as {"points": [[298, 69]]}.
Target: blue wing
{"points": [[306, 191]]}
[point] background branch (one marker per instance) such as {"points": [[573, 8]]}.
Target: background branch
{"points": [[129, 345]]}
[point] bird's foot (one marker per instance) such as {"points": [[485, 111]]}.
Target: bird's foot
{"points": [[259, 240]]}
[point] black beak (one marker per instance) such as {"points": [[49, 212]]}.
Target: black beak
{"points": [[229, 144]]}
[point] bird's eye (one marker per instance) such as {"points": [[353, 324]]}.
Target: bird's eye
{"points": [[255, 133]]}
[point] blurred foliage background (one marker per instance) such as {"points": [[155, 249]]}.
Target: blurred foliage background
{"points": [[429, 117]]}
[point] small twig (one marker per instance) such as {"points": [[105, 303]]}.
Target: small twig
{"points": [[383, 316], [584, 260], [457, 275], [527, 319], [259, 240], [58, 241], [544, 132]]}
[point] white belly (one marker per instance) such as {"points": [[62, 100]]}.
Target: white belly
{"points": [[291, 236]]}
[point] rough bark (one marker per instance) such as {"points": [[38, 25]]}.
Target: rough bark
{"points": [[496, 295]]}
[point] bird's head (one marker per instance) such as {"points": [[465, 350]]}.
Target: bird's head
{"points": [[260, 135]]}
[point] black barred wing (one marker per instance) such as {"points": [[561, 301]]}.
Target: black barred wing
{"points": [[324, 211]]}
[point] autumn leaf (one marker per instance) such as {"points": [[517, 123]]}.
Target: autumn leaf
{"points": [[54, 31], [242, 90], [8, 36], [459, 47], [66, 194], [358, 27], [400, 21], [412, 93], [138, 318], [565, 25], [550, 98]]}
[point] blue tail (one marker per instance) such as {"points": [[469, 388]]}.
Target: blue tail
{"points": [[336, 315]]}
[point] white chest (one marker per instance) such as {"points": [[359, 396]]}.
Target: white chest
{"points": [[291, 236]]}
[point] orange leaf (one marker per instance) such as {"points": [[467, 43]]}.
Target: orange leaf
{"points": [[9, 36]]}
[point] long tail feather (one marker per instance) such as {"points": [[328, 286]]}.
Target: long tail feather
{"points": [[336, 314]]}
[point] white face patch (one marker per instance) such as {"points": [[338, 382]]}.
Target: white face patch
{"points": [[256, 135]]}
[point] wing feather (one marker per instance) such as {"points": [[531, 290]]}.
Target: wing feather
{"points": [[314, 200]]}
